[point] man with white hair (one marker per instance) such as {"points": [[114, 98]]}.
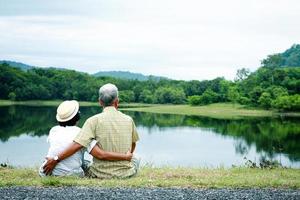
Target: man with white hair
{"points": [[113, 131]]}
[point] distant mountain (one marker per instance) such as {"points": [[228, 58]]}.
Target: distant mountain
{"points": [[20, 65], [26, 67], [115, 74], [128, 75], [289, 58]]}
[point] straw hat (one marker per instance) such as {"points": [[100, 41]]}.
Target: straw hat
{"points": [[67, 110]]}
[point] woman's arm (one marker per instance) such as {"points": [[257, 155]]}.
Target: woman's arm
{"points": [[99, 153]]}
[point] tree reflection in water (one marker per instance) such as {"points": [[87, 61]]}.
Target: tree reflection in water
{"points": [[270, 135]]}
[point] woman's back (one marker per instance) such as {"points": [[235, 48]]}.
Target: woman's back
{"points": [[60, 138]]}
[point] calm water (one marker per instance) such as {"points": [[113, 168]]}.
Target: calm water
{"points": [[171, 140]]}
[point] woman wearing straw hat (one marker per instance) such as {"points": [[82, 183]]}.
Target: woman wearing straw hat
{"points": [[62, 135]]}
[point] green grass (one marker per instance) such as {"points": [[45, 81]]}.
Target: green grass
{"points": [[217, 110], [167, 177]]}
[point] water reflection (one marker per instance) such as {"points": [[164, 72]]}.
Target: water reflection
{"points": [[270, 136]]}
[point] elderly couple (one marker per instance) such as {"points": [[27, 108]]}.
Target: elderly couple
{"points": [[110, 137]]}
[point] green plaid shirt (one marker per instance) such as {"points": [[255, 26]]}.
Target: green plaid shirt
{"points": [[114, 131]]}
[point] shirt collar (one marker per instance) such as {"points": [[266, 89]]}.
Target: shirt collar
{"points": [[109, 109]]}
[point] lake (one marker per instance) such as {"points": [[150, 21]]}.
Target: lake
{"points": [[165, 140]]}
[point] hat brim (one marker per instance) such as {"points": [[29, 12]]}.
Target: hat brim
{"points": [[76, 109]]}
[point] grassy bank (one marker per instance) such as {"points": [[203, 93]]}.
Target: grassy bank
{"points": [[217, 110], [167, 177]]}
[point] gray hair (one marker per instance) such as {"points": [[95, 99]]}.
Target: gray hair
{"points": [[108, 93]]}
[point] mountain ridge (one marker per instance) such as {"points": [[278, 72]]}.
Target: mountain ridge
{"points": [[115, 74], [128, 75], [19, 65]]}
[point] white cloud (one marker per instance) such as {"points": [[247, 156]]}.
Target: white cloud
{"points": [[178, 39]]}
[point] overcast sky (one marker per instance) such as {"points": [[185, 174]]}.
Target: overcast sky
{"points": [[179, 39]]}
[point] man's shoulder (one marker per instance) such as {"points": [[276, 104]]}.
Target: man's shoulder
{"points": [[126, 117], [94, 118], [103, 116]]}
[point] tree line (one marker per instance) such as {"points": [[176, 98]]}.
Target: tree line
{"points": [[271, 86]]}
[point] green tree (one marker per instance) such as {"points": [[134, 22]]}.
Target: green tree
{"points": [[273, 61], [233, 94], [12, 96], [254, 94], [170, 95], [209, 97], [242, 74], [244, 100], [265, 100], [126, 96], [195, 100], [146, 96], [289, 103]]}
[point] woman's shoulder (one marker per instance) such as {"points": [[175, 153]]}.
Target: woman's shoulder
{"points": [[75, 128], [54, 129], [62, 128], [53, 132]]}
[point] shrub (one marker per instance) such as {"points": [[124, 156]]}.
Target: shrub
{"points": [[12, 96], [244, 100], [291, 103], [194, 100], [265, 100]]}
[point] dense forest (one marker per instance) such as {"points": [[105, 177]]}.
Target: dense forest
{"points": [[276, 84]]}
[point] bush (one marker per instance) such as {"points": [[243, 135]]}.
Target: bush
{"points": [[277, 91], [209, 97], [12, 96], [265, 100], [244, 100], [290, 103], [195, 100]]}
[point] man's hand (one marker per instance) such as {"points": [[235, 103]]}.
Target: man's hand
{"points": [[129, 155], [49, 166], [70, 150]]}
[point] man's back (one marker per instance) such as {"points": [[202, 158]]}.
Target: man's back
{"points": [[114, 132]]}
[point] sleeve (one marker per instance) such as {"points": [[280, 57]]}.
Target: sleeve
{"points": [[86, 134], [91, 146], [135, 135]]}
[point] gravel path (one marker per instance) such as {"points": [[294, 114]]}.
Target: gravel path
{"points": [[143, 193]]}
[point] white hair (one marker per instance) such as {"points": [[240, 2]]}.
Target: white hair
{"points": [[108, 93]]}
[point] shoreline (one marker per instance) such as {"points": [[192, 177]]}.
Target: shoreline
{"points": [[216, 110]]}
